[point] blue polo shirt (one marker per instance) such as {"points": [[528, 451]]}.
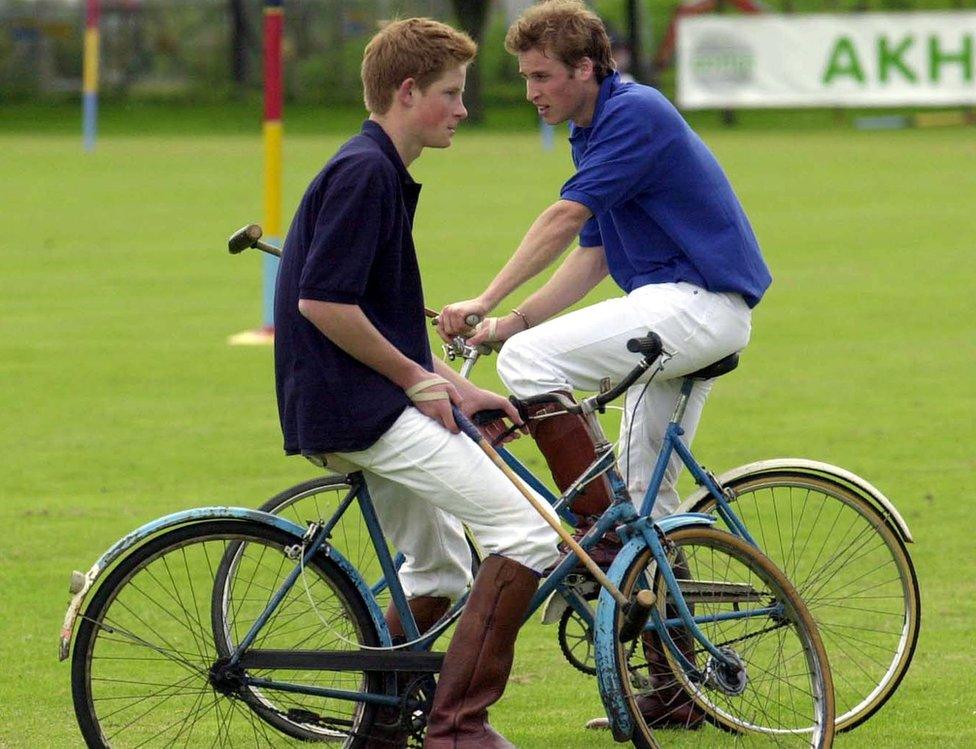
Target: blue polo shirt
{"points": [[350, 242], [662, 207]]}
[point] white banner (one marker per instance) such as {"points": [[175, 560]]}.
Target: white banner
{"points": [[862, 60]]}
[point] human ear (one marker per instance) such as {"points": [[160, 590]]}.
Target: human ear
{"points": [[405, 91], [585, 68]]}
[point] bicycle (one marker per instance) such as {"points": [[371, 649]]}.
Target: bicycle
{"points": [[237, 622], [840, 541], [837, 538]]}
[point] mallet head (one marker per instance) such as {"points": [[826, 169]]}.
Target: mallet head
{"points": [[244, 238]]}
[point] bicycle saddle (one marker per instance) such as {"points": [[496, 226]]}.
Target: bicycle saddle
{"points": [[716, 369]]}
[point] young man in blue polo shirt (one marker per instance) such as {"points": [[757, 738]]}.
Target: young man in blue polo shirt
{"points": [[358, 388], [653, 209]]}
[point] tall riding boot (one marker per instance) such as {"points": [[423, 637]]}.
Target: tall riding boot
{"points": [[668, 705], [567, 444], [427, 611], [479, 658]]}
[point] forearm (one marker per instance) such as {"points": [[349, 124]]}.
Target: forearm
{"points": [[464, 387], [349, 329], [549, 235], [583, 269]]}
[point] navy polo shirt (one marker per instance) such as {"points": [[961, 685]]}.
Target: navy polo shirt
{"points": [[662, 207], [350, 242]]}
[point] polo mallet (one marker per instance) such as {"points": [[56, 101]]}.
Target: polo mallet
{"points": [[249, 237], [636, 612]]}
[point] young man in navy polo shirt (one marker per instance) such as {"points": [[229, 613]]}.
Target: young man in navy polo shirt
{"points": [[358, 387], [653, 209]]}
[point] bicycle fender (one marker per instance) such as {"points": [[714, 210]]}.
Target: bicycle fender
{"points": [[611, 690], [816, 468], [82, 582]]}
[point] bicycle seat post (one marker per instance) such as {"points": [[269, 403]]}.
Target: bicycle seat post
{"points": [[681, 403]]}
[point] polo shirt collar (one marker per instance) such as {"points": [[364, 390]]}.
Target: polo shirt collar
{"points": [[606, 88], [375, 132]]}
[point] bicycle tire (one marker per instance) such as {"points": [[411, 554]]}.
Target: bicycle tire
{"points": [[141, 667], [317, 499], [852, 570], [786, 699]]}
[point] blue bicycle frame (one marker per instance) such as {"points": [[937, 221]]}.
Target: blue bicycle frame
{"points": [[634, 528]]}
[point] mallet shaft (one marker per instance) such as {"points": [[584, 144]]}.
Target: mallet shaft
{"points": [[269, 248], [567, 539]]}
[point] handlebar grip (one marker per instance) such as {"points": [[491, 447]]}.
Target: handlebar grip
{"points": [[650, 345], [482, 418]]}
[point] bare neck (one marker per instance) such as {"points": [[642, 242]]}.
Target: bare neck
{"points": [[406, 144]]}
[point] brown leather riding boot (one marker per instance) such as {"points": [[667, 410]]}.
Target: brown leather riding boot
{"points": [[669, 705], [479, 658], [567, 444], [427, 611]]}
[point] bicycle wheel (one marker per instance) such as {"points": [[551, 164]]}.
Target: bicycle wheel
{"points": [[781, 695], [146, 668], [317, 499], [851, 569]]}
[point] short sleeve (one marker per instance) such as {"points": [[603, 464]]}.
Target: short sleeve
{"points": [[619, 158], [353, 223], [589, 235]]}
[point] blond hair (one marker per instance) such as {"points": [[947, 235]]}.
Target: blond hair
{"points": [[417, 48], [566, 29]]}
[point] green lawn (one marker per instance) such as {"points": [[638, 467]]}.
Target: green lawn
{"points": [[121, 401]]}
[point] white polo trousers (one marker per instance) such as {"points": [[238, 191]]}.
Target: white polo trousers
{"points": [[425, 482], [577, 350]]}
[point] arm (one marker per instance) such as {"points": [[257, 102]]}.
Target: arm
{"points": [[349, 329], [583, 269], [546, 239]]}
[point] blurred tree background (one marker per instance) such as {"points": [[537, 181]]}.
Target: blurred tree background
{"points": [[210, 50]]}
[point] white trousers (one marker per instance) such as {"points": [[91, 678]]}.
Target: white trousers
{"points": [[425, 482], [577, 350]]}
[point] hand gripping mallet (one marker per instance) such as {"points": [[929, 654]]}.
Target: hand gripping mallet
{"points": [[636, 612]]}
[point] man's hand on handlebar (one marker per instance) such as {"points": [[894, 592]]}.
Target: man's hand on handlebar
{"points": [[484, 400], [496, 330], [455, 319]]}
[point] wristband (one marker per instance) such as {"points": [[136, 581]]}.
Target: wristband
{"points": [[519, 314], [414, 392]]}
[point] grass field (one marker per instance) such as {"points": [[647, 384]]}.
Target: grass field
{"points": [[121, 401]]}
